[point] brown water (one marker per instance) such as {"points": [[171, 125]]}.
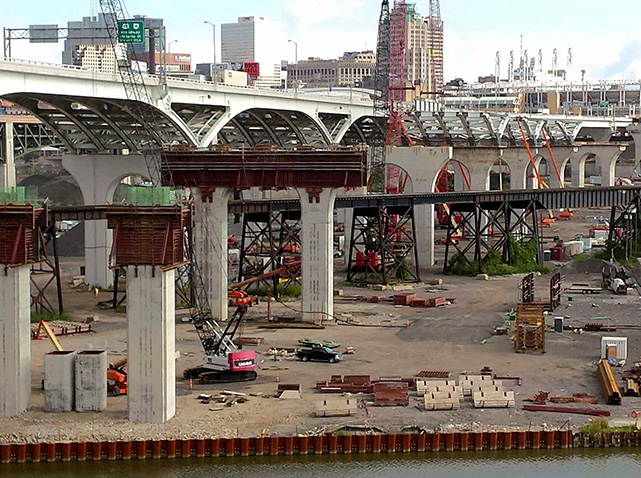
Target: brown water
{"points": [[620, 463]]}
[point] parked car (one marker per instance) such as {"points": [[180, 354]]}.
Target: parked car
{"points": [[319, 352]]}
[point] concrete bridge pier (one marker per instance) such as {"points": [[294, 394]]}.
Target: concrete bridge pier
{"points": [[15, 340], [7, 164], [98, 175], [317, 239], [210, 243], [151, 368], [423, 165]]}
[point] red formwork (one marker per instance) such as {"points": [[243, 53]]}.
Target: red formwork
{"points": [[19, 224], [265, 168], [148, 235]]}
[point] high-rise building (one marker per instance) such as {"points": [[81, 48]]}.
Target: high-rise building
{"points": [[423, 51], [252, 40], [89, 45]]}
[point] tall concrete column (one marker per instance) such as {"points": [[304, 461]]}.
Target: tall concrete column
{"points": [[317, 237], [98, 175], [151, 367], [211, 216], [15, 340], [578, 172], [424, 217], [8, 167]]}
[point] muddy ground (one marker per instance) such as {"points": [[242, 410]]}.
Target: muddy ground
{"points": [[456, 338]]}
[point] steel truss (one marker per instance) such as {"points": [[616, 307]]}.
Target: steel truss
{"points": [[45, 273], [625, 225], [486, 227], [268, 239], [382, 243]]}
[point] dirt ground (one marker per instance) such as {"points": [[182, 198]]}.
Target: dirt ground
{"points": [[456, 338]]}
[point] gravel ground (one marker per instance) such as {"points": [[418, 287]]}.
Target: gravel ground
{"points": [[449, 338]]}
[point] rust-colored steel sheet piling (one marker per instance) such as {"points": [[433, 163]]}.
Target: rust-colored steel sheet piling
{"points": [[333, 445], [407, 443], [494, 440], [535, 440], [156, 449], [51, 452], [5, 454], [141, 449], [348, 443], [126, 450], [505, 440], [318, 445], [214, 447], [449, 441], [362, 443], [170, 446], [65, 451], [200, 448], [244, 446], [36, 450], [435, 444], [228, 445], [377, 441], [273, 446], [391, 443]]}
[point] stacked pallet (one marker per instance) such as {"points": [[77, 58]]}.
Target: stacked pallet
{"points": [[427, 386], [470, 383], [442, 400], [348, 383], [494, 398], [391, 394], [529, 328]]}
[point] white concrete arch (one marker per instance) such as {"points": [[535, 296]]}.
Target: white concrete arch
{"points": [[232, 113], [500, 167]]}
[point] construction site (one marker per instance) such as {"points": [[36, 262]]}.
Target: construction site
{"points": [[415, 281]]}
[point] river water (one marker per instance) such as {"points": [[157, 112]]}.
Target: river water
{"points": [[522, 464]]}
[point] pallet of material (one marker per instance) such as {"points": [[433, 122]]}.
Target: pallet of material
{"points": [[391, 394], [433, 374], [442, 401], [404, 299], [336, 407], [348, 383], [424, 386], [288, 391], [494, 399], [471, 383], [494, 386], [249, 340]]}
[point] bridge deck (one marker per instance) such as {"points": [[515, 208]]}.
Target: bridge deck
{"points": [[573, 198]]}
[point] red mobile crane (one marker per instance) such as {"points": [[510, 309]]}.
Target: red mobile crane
{"points": [[224, 361]]}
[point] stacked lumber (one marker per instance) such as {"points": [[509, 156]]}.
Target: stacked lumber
{"points": [[494, 399], [442, 400], [391, 394], [427, 386]]}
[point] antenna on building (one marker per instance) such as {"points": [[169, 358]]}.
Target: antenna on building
{"points": [[497, 68], [524, 71]]}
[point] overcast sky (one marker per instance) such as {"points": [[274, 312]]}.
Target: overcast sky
{"points": [[605, 36]]}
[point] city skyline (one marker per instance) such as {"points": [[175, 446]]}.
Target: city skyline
{"points": [[326, 29]]}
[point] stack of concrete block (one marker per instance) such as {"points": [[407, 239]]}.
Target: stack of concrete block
{"points": [[469, 382], [336, 407], [425, 386], [442, 400], [91, 381], [60, 378], [494, 398]]}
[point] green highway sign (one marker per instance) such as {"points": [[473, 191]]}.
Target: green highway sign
{"points": [[131, 31]]}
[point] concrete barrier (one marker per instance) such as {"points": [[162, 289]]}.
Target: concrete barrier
{"points": [[91, 381], [60, 381]]}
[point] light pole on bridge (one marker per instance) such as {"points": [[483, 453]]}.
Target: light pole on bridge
{"points": [[213, 38]]}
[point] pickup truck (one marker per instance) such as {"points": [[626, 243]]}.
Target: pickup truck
{"points": [[318, 352]]}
